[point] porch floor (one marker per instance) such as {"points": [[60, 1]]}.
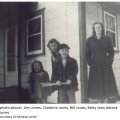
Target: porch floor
{"points": [[19, 95], [14, 95]]}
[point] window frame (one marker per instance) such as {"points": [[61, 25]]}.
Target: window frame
{"points": [[114, 16], [16, 49], [38, 14]]}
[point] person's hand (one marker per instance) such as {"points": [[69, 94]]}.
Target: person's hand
{"points": [[58, 83], [68, 82]]}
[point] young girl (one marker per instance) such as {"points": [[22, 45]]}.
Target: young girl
{"points": [[36, 78]]}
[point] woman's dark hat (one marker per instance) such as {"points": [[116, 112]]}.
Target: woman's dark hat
{"points": [[62, 46]]}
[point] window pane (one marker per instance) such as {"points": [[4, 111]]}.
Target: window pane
{"points": [[112, 36], [34, 43], [110, 22], [11, 63], [11, 42], [34, 26]]}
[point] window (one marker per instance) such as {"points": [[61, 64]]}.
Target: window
{"points": [[110, 28], [35, 42]]}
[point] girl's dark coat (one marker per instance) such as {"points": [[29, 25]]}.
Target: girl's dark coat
{"points": [[54, 77], [35, 79], [99, 56], [69, 72]]}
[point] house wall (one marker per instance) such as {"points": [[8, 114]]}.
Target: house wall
{"points": [[61, 22], [94, 12]]}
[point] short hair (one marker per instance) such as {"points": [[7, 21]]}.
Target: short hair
{"points": [[52, 41], [36, 61], [94, 33]]}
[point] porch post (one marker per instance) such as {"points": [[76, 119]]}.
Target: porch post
{"points": [[82, 41]]}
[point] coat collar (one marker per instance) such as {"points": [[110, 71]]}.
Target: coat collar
{"points": [[68, 58], [95, 37], [67, 61]]}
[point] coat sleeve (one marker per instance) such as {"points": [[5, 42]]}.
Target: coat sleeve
{"points": [[88, 52], [74, 72], [46, 77], [110, 51]]}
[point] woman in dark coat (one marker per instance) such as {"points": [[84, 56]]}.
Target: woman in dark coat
{"points": [[99, 56], [36, 78]]}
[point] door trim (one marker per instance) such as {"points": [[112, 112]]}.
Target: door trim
{"points": [[16, 52]]}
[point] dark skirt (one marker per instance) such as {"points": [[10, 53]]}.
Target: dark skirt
{"points": [[101, 83]]}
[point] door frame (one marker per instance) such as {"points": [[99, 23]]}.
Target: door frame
{"points": [[16, 52], [82, 43]]}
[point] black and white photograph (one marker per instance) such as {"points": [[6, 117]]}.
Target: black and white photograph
{"points": [[60, 52]]}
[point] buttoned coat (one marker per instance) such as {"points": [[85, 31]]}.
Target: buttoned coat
{"points": [[99, 56]]}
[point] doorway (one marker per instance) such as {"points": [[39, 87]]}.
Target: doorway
{"points": [[11, 56]]}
